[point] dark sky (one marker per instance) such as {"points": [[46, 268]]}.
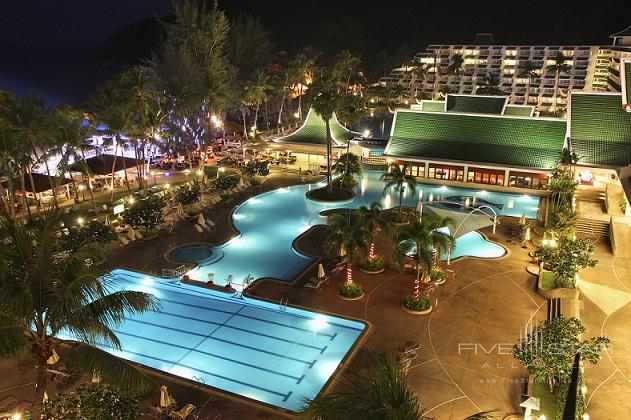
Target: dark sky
{"points": [[93, 21]]}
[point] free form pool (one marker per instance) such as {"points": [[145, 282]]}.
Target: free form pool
{"points": [[243, 346], [270, 222]]}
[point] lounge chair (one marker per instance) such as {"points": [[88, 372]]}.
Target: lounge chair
{"points": [[199, 228], [409, 347], [8, 403], [210, 224], [317, 283], [183, 412], [139, 235], [123, 240]]}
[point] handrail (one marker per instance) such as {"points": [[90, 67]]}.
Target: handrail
{"points": [[174, 272]]}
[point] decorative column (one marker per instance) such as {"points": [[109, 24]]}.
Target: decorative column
{"points": [[506, 176]]}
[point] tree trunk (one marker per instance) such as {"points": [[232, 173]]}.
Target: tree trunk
{"points": [[24, 197], [266, 114], [401, 201], [40, 388], [417, 281], [50, 182], [74, 186], [279, 124], [125, 169], [32, 182], [328, 156], [87, 172], [300, 103], [113, 167], [349, 271], [245, 128], [256, 118]]}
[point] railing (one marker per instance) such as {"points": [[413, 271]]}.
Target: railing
{"points": [[282, 305], [169, 273]]}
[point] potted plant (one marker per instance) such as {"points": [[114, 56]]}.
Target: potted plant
{"points": [[374, 265], [437, 275], [351, 291], [418, 306]]}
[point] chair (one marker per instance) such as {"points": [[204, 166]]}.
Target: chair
{"points": [[317, 283], [198, 228], [139, 235], [409, 347], [183, 412], [123, 240]]}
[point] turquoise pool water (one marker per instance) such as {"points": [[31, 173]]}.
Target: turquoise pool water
{"points": [[193, 253], [270, 222], [243, 346]]}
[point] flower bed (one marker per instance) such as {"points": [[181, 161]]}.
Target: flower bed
{"points": [[375, 265], [417, 306], [352, 291]]}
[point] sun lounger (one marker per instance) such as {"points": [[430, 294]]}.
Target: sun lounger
{"points": [[138, 235], [123, 240], [409, 347], [210, 224], [8, 403], [131, 237], [199, 228], [317, 283], [183, 412]]}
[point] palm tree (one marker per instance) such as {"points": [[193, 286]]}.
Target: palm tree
{"points": [[371, 220], [422, 241], [419, 72], [399, 180], [490, 85], [375, 394], [558, 67], [570, 158], [43, 297], [528, 69], [455, 67], [324, 103], [348, 236]]}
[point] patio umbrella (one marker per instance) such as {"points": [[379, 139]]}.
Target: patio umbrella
{"points": [[342, 252], [241, 183], [132, 233], [54, 358], [96, 376], [522, 219], [107, 221], [419, 207], [527, 234], [165, 398], [201, 220], [320, 271], [180, 210]]}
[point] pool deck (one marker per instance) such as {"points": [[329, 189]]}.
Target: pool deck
{"points": [[464, 364]]}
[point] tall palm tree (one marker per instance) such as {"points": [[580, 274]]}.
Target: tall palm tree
{"points": [[398, 180], [42, 298], [490, 85], [301, 68], [325, 103], [559, 66], [528, 69], [456, 66], [419, 73], [371, 220], [422, 241], [374, 394], [348, 235]]}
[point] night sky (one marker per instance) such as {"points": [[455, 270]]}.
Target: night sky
{"points": [[372, 26]]}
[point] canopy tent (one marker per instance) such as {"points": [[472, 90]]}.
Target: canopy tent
{"points": [[464, 222], [102, 164]]}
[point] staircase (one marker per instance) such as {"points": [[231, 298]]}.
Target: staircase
{"points": [[593, 227], [591, 195]]}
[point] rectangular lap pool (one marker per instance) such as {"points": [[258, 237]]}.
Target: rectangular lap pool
{"points": [[243, 346]]}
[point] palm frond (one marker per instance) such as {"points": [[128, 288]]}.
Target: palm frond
{"points": [[13, 339], [116, 372]]}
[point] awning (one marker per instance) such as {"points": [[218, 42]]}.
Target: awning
{"points": [[465, 222]]}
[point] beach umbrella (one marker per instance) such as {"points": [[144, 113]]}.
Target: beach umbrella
{"points": [[180, 210], [522, 219], [43, 399], [320, 271], [132, 234], [54, 358], [419, 207], [527, 234], [241, 183], [201, 220], [165, 398], [96, 376], [342, 252], [107, 221]]}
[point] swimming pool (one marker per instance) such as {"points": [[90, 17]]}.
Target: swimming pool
{"points": [[472, 244], [270, 222], [243, 346], [193, 253]]}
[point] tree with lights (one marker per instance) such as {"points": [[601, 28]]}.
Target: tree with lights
{"points": [[397, 179]]}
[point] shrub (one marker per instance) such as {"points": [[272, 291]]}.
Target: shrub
{"points": [[351, 290], [188, 195], [94, 231], [375, 264], [420, 304], [146, 213], [249, 169], [262, 167], [437, 274], [226, 183], [92, 401], [567, 258]]}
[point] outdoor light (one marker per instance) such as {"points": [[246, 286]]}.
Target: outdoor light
{"points": [[184, 128], [542, 417], [296, 115], [585, 416], [366, 133], [167, 186], [584, 389], [222, 169], [81, 187], [372, 114], [156, 136], [80, 220], [131, 200], [16, 416], [199, 172]]}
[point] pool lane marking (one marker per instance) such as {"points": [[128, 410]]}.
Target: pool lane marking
{"points": [[296, 378], [320, 349], [136, 280], [280, 394]]}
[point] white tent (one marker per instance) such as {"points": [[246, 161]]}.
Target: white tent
{"points": [[201, 220], [165, 398], [320, 271]]}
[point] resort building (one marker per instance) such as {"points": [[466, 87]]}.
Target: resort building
{"points": [[591, 68], [467, 139]]}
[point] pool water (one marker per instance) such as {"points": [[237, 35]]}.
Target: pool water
{"points": [[243, 346], [270, 222], [192, 253], [472, 244]]}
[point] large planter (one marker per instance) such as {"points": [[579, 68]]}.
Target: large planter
{"points": [[314, 197], [556, 293], [372, 272], [407, 222], [409, 311], [350, 298]]}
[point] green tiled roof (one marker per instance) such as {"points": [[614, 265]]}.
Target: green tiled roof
{"points": [[313, 131], [626, 82], [512, 141], [600, 129], [432, 106], [519, 110], [477, 104]]}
